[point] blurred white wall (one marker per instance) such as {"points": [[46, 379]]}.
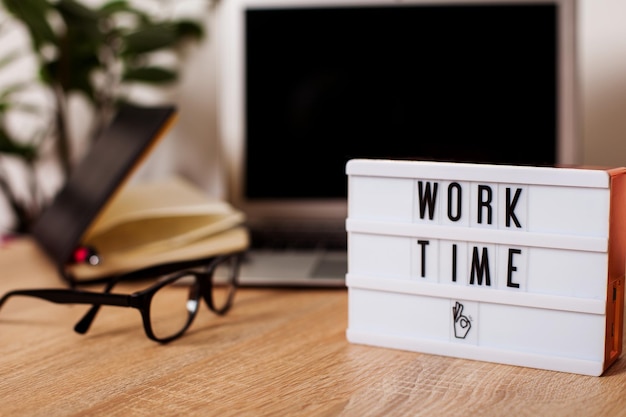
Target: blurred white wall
{"points": [[602, 48], [191, 147]]}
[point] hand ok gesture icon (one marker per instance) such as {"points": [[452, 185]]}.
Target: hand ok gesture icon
{"points": [[462, 324]]}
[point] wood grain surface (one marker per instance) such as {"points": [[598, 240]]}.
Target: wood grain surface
{"points": [[278, 352]]}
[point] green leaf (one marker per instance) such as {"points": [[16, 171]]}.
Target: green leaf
{"points": [[149, 39], [151, 75], [188, 28], [10, 58], [79, 20], [116, 6], [70, 77], [23, 107], [33, 13], [76, 11], [11, 147], [14, 88]]}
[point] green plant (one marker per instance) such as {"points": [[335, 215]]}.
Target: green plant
{"points": [[18, 151], [93, 51]]}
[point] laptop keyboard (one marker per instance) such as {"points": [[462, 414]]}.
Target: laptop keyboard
{"points": [[299, 236]]}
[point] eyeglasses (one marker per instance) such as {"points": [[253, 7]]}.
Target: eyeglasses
{"points": [[169, 306]]}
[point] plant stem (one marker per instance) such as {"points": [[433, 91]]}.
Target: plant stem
{"points": [[62, 133]]}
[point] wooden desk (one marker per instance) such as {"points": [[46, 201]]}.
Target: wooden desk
{"points": [[278, 352]]}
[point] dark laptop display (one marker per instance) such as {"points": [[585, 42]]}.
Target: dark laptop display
{"points": [[307, 86], [465, 83]]}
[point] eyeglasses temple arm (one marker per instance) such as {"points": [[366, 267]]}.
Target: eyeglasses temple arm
{"points": [[85, 322], [61, 296]]}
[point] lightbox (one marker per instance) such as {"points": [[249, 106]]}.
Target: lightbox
{"points": [[510, 264]]}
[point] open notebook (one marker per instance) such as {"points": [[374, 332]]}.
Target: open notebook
{"points": [[131, 226], [101, 172], [159, 222], [306, 86]]}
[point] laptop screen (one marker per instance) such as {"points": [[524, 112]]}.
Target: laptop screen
{"points": [[315, 85]]}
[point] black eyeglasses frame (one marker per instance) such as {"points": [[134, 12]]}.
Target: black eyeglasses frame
{"points": [[141, 300]]}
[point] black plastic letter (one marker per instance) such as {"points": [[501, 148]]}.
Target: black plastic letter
{"points": [[454, 217]]}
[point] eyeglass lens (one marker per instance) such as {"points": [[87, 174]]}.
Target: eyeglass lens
{"points": [[173, 306], [224, 283]]}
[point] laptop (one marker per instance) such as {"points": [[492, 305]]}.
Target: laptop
{"points": [[108, 163], [305, 86]]}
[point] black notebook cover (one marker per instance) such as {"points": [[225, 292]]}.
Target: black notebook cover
{"points": [[102, 171]]}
